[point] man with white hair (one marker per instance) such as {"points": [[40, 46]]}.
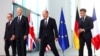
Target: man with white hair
{"points": [[20, 31]]}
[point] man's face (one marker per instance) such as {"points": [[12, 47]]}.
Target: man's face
{"points": [[45, 14], [9, 17], [82, 13], [19, 12]]}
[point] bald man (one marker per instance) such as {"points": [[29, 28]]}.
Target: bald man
{"points": [[20, 31], [48, 33]]}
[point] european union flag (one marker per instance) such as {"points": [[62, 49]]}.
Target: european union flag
{"points": [[63, 36]]}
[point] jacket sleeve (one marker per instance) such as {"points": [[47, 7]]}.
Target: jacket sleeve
{"points": [[90, 25], [40, 30], [5, 31], [55, 28], [27, 26], [13, 27]]}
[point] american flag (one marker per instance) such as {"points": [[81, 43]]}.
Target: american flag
{"points": [[31, 35]]}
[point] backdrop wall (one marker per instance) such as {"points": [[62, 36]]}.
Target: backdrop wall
{"points": [[5, 7], [55, 12]]}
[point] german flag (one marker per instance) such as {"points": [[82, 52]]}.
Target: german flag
{"points": [[76, 34]]}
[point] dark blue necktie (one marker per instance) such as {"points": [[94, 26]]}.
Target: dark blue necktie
{"points": [[83, 19], [18, 20]]}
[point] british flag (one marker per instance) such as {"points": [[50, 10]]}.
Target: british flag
{"points": [[31, 35], [48, 48]]}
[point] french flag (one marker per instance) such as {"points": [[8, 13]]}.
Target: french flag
{"points": [[31, 35], [95, 32]]}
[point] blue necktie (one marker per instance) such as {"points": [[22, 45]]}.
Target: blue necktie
{"points": [[18, 20], [83, 19]]}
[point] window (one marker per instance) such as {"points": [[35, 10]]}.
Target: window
{"points": [[36, 7]]}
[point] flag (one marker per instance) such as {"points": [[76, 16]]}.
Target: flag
{"points": [[31, 34], [76, 34], [63, 36], [95, 32], [48, 47]]}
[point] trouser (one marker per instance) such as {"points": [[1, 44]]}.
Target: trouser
{"points": [[88, 43], [21, 47], [9, 43], [52, 45]]}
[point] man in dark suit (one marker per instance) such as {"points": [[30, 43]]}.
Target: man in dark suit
{"points": [[20, 32], [85, 35], [9, 40], [48, 33]]}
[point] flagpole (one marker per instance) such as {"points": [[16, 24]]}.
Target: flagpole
{"points": [[63, 53], [30, 53], [46, 53], [94, 52]]}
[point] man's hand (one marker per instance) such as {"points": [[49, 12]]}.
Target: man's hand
{"points": [[39, 40], [81, 30], [56, 39], [25, 37], [12, 38]]}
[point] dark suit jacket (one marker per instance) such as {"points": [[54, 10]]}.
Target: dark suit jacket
{"points": [[87, 25], [50, 30], [8, 31], [20, 28]]}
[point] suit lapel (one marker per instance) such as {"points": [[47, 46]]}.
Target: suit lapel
{"points": [[85, 19], [21, 18], [43, 22], [48, 22]]}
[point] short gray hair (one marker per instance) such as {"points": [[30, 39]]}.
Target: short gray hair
{"points": [[19, 8]]}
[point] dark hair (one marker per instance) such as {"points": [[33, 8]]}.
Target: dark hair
{"points": [[10, 14], [83, 9]]}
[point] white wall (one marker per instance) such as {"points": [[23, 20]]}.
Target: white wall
{"points": [[89, 5], [55, 11], [5, 7]]}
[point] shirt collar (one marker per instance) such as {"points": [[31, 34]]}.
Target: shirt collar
{"points": [[20, 16], [10, 21], [47, 19], [84, 17]]}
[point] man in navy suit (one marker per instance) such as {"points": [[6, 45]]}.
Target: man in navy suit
{"points": [[85, 35], [48, 33], [9, 40], [20, 31]]}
